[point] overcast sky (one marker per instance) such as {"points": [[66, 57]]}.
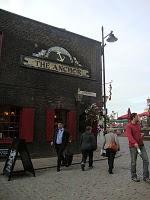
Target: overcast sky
{"points": [[127, 60]]}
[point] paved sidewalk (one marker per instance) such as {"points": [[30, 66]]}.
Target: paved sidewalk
{"points": [[50, 162], [72, 183]]}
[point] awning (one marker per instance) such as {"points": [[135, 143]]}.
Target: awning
{"points": [[123, 116], [127, 116], [144, 114], [120, 120]]}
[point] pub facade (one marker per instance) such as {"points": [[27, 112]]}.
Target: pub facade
{"points": [[46, 74]]}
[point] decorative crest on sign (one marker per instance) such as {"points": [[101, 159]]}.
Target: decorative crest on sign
{"points": [[58, 54]]}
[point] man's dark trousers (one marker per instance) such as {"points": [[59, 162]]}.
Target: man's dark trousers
{"points": [[60, 157], [85, 154]]}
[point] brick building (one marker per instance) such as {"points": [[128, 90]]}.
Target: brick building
{"points": [[46, 74]]}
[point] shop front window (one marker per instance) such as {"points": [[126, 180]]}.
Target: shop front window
{"points": [[9, 123]]}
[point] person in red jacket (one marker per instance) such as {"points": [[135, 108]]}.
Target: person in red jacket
{"points": [[136, 145]]}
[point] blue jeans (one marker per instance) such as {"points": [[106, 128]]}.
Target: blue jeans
{"points": [[133, 154]]}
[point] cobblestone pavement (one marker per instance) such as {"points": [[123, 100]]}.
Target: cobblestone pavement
{"points": [[72, 183]]}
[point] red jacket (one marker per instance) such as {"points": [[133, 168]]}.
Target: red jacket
{"points": [[133, 132]]}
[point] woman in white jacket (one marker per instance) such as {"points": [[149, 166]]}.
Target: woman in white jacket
{"points": [[111, 145]]}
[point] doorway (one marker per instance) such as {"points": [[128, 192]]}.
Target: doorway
{"points": [[60, 115]]}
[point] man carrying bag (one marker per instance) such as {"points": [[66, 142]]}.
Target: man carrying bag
{"points": [[136, 145]]}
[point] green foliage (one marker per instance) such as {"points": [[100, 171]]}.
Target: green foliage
{"points": [[93, 113]]}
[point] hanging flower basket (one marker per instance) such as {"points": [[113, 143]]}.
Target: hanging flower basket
{"points": [[93, 114]]}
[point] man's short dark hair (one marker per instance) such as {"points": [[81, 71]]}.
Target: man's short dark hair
{"points": [[133, 115], [60, 121], [88, 128]]}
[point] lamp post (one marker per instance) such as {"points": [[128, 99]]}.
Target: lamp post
{"points": [[110, 38]]}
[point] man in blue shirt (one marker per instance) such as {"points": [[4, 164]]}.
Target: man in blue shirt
{"points": [[60, 140]]}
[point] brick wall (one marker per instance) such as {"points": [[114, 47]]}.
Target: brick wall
{"points": [[26, 87]]}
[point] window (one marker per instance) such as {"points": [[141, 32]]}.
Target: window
{"points": [[9, 122]]}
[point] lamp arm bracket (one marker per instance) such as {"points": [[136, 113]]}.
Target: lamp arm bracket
{"points": [[108, 34]]}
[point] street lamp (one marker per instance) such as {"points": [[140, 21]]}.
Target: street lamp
{"points": [[110, 38]]}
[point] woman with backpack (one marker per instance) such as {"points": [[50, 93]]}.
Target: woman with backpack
{"points": [[111, 145]]}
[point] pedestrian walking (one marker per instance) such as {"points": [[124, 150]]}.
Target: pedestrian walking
{"points": [[136, 146], [88, 145], [111, 145], [60, 141], [100, 143]]}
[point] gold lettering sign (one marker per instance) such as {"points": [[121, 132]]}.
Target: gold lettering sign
{"points": [[54, 67]]}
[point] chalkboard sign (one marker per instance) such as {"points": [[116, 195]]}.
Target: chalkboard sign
{"points": [[3, 152], [25, 157], [18, 146], [10, 162]]}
